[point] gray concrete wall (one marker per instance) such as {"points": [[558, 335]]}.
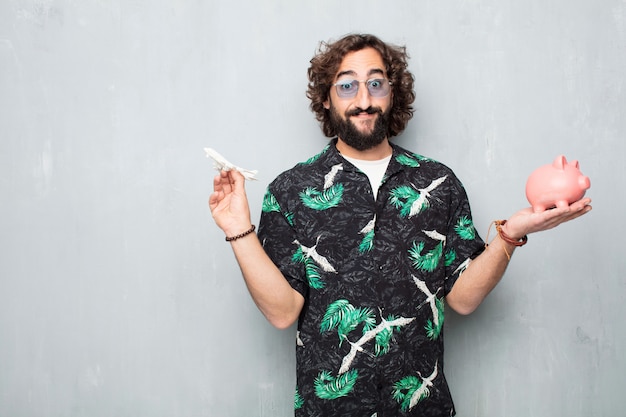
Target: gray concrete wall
{"points": [[118, 295]]}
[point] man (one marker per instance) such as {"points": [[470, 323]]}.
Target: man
{"points": [[364, 242]]}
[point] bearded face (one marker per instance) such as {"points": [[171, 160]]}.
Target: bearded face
{"points": [[366, 135]]}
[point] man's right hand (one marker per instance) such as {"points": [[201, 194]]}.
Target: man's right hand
{"points": [[229, 203]]}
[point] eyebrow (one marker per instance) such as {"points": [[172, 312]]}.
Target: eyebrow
{"points": [[352, 73]]}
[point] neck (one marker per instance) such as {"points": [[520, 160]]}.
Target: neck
{"points": [[378, 152]]}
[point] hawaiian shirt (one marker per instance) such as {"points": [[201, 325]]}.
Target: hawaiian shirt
{"points": [[374, 274]]}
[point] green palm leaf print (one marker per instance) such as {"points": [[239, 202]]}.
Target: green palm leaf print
{"points": [[429, 260], [323, 200], [298, 400], [408, 200], [450, 257], [408, 160], [404, 390], [410, 390], [367, 243], [383, 342], [345, 317], [313, 275], [368, 232], [413, 201], [270, 204], [353, 319], [335, 312], [327, 387], [434, 330], [383, 338], [403, 192], [356, 347], [465, 228]]}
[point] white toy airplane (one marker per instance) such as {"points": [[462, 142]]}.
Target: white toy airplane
{"points": [[221, 164]]}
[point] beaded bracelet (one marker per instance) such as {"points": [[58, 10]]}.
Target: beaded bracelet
{"points": [[239, 236]]}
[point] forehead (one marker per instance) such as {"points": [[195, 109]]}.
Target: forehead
{"points": [[362, 63]]}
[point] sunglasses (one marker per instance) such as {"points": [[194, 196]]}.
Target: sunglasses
{"points": [[377, 87]]}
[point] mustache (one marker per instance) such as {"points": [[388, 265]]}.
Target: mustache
{"points": [[370, 110]]}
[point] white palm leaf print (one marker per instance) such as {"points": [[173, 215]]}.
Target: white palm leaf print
{"points": [[329, 179], [433, 234], [423, 390], [463, 266], [417, 205], [319, 259], [431, 298], [368, 227], [369, 335]]}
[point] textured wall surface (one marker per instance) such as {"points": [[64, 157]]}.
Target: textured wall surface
{"points": [[118, 294]]}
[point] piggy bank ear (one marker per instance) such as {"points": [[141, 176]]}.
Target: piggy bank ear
{"points": [[574, 163], [559, 162]]}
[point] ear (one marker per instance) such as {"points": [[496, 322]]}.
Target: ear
{"points": [[327, 104], [559, 162]]}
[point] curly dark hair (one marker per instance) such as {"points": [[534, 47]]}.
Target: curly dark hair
{"points": [[326, 62]]}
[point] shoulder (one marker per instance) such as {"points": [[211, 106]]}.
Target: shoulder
{"points": [[306, 172], [415, 164]]}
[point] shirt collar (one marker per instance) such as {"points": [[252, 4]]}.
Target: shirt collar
{"points": [[333, 157]]}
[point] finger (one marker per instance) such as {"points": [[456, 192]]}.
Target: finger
{"points": [[581, 204], [577, 208], [580, 211], [572, 212], [237, 180], [217, 183], [227, 182], [213, 200]]}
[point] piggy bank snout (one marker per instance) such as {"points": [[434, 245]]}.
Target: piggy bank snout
{"points": [[584, 182]]}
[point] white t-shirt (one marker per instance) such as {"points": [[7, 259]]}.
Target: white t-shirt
{"points": [[375, 170]]}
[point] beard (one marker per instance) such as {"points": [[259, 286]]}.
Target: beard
{"points": [[352, 136]]}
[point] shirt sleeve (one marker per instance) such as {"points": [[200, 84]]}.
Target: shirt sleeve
{"points": [[463, 240], [279, 239]]}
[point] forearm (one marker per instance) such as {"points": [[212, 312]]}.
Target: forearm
{"points": [[480, 277], [484, 272], [271, 292], [269, 289]]}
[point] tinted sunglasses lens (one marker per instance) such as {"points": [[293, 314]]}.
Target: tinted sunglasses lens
{"points": [[347, 88], [378, 87]]}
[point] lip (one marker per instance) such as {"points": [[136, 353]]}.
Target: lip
{"points": [[365, 115]]}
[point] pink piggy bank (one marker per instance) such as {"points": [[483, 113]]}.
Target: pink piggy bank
{"points": [[556, 185]]}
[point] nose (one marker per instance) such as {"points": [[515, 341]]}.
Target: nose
{"points": [[363, 98], [584, 182]]}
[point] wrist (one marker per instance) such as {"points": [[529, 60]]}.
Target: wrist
{"points": [[236, 226], [241, 233], [507, 236]]}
